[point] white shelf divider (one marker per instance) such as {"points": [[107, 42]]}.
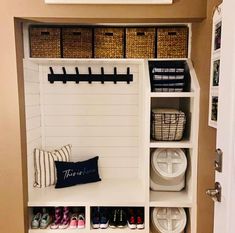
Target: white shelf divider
{"points": [[172, 94], [170, 199], [173, 144]]}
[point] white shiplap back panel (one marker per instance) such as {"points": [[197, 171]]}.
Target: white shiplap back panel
{"points": [[32, 113], [97, 119]]}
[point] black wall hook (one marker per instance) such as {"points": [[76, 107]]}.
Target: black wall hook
{"points": [[102, 73], [64, 72], [77, 73], [115, 77], [90, 73], [115, 73]]}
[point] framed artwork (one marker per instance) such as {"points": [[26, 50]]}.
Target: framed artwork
{"points": [[216, 73], [217, 32], [215, 67], [214, 108]]}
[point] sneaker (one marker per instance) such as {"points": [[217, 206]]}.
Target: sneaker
{"points": [[104, 218], [73, 221], [122, 219], [95, 220], [113, 218], [140, 218], [65, 221], [58, 218], [35, 223], [81, 221], [131, 218], [45, 221]]}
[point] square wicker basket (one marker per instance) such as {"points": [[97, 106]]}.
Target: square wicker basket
{"points": [[109, 42], [140, 42], [45, 42], [77, 42], [168, 124], [172, 42]]}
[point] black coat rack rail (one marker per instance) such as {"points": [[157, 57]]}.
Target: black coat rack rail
{"points": [[102, 77]]}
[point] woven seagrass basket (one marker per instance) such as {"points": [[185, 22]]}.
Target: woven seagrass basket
{"points": [[77, 42], [45, 42], [140, 42], [172, 42], [109, 42]]}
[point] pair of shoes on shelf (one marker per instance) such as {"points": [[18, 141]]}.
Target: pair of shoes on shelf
{"points": [[77, 221], [62, 219], [118, 218], [100, 217], [135, 218], [41, 221]]}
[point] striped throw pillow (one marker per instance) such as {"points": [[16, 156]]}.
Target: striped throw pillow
{"points": [[44, 165]]}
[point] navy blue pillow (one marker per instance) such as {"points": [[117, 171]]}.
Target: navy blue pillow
{"points": [[69, 173]]}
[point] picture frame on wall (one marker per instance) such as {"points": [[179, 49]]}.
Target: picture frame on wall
{"points": [[217, 37], [215, 67], [216, 72], [214, 108]]}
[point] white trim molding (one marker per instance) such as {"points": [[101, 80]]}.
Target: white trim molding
{"points": [[108, 1]]}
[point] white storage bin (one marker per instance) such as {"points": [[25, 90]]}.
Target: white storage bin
{"points": [[169, 220], [168, 167]]}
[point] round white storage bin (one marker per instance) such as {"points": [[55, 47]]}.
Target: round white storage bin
{"points": [[169, 220], [168, 167]]}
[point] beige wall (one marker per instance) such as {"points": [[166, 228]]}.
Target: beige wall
{"points": [[12, 138], [201, 51]]}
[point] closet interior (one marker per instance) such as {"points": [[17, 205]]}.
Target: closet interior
{"points": [[110, 107]]}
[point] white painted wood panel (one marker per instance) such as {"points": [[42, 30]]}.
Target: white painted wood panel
{"points": [[87, 99], [33, 123], [32, 99], [32, 113], [103, 151], [91, 121], [32, 88], [95, 118], [95, 88], [33, 134], [93, 141], [31, 76], [89, 110], [112, 162], [91, 131]]}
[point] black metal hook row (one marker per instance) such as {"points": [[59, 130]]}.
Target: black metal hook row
{"points": [[102, 77]]}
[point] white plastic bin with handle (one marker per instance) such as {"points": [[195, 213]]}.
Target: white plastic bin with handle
{"points": [[168, 220], [168, 167]]}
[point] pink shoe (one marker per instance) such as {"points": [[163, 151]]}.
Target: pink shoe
{"points": [[81, 221], [73, 221]]}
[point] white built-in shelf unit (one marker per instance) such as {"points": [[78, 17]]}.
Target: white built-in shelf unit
{"points": [[111, 121]]}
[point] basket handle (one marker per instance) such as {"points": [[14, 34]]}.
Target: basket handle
{"points": [[43, 33], [108, 33], [172, 33], [140, 33], [77, 33], [170, 120]]}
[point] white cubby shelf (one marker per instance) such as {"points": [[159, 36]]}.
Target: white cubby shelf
{"points": [[111, 121]]}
